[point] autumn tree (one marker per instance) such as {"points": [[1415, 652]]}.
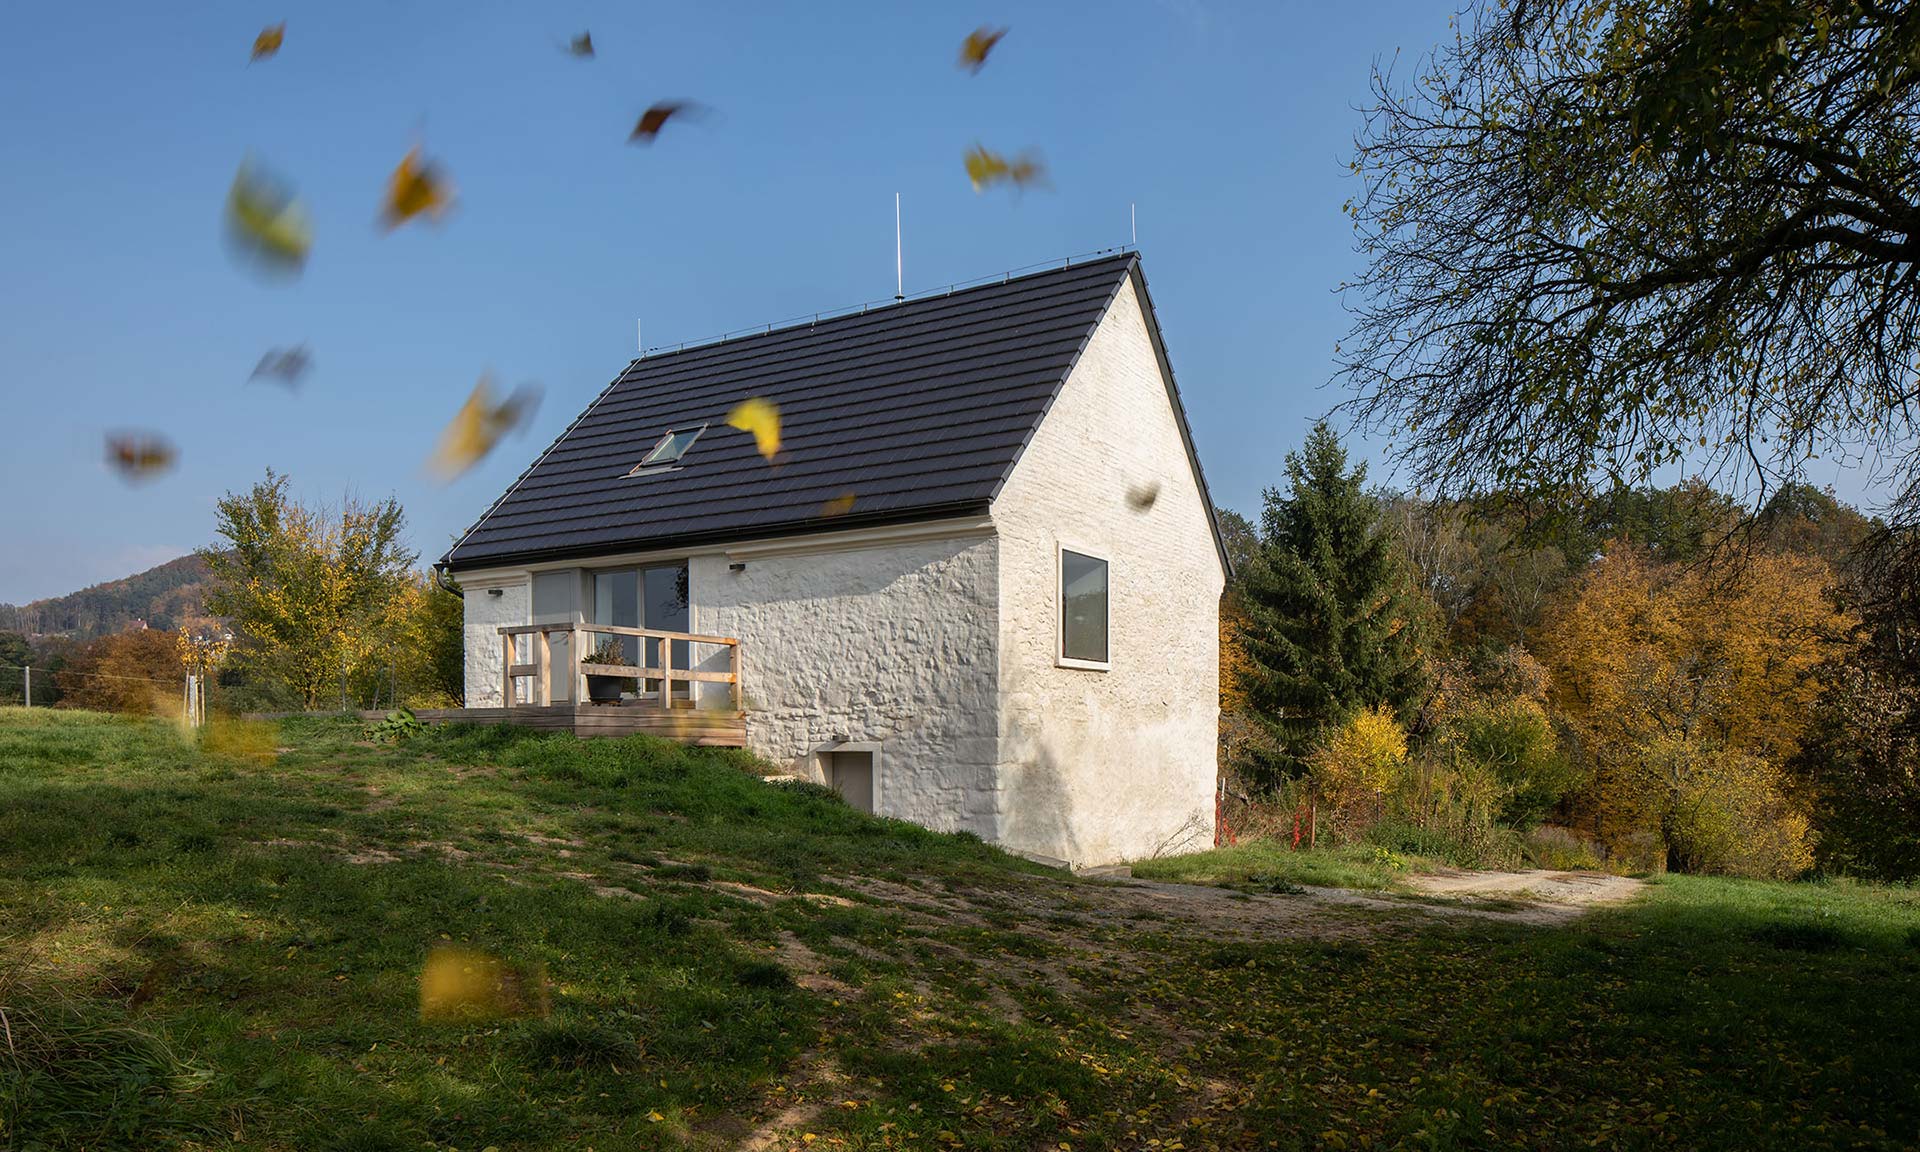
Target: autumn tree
{"points": [[136, 672], [1333, 616], [1605, 236], [307, 589], [1688, 688], [416, 654]]}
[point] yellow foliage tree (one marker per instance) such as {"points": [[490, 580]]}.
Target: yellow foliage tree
{"points": [[307, 589], [1687, 684], [1359, 762]]}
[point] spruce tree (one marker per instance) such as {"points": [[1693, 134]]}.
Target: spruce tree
{"points": [[1334, 620]]}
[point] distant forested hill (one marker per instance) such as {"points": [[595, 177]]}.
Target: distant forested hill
{"points": [[170, 596]]}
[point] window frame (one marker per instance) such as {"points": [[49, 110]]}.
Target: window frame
{"points": [[649, 466], [1060, 657]]}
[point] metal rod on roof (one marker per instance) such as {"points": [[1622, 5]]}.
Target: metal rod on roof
{"points": [[1133, 223], [899, 260]]}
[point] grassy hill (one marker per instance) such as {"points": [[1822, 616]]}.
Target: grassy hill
{"points": [[222, 943], [168, 596]]}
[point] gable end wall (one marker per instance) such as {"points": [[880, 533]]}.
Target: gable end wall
{"points": [[1098, 767]]}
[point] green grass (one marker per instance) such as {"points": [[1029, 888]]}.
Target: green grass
{"points": [[1260, 864], [203, 950]]}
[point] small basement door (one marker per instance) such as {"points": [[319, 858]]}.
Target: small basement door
{"points": [[851, 775]]}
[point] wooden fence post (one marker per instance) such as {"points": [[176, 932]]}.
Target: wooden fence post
{"points": [[543, 673], [734, 660]]}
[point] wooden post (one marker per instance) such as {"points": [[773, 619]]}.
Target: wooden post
{"points": [[574, 676], [506, 670], [543, 663], [733, 658], [666, 672]]}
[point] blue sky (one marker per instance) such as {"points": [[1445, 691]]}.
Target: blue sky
{"points": [[1226, 124]]}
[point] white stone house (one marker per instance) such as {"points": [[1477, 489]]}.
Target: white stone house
{"points": [[977, 588]]}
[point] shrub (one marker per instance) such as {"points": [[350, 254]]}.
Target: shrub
{"points": [[1514, 738], [1559, 849], [1450, 811], [1729, 815], [1356, 766]]}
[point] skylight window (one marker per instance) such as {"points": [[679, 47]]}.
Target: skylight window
{"points": [[668, 451]]}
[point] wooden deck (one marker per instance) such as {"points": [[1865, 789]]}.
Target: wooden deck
{"points": [[707, 727], [704, 726]]}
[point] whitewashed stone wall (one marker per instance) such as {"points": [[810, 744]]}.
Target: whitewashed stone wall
{"points": [[485, 614], [1097, 767], [891, 643]]}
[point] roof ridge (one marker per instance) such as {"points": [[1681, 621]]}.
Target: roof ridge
{"points": [[870, 307]]}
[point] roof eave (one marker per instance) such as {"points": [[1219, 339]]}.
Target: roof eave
{"points": [[706, 540]]}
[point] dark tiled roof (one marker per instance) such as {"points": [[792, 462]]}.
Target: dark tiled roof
{"points": [[918, 409]]}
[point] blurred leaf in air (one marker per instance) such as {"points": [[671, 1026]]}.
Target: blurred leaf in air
{"points": [[762, 418], [581, 46], [268, 42], [986, 168], [266, 223], [417, 187], [285, 366], [838, 506], [979, 42], [458, 983], [479, 425], [140, 456], [656, 117]]}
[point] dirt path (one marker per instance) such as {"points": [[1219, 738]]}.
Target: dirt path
{"points": [[1546, 897]]}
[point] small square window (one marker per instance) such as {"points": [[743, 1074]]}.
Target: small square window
{"points": [[1083, 610], [668, 451]]}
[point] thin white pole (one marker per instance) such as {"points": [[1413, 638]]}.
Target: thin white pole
{"points": [[1133, 223], [899, 261], [29, 691]]}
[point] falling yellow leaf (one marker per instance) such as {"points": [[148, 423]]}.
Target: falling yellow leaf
{"points": [[985, 168], [979, 42], [464, 983], [140, 455], [268, 42], [656, 117], [762, 418], [582, 46], [1142, 496], [417, 186], [479, 425], [838, 506], [266, 222]]}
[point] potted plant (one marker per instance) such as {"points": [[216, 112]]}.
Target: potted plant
{"points": [[607, 689]]}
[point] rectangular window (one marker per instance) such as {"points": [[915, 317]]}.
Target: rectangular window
{"points": [[1083, 610], [668, 451]]}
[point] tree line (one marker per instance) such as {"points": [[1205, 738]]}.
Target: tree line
{"points": [[1640, 677], [309, 608]]}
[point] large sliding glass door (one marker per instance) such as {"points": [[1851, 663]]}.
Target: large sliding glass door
{"points": [[653, 597]]}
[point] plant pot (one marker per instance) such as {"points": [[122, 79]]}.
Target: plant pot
{"points": [[604, 689]]}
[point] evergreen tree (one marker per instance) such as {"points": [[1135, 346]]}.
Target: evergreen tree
{"points": [[1333, 618]]}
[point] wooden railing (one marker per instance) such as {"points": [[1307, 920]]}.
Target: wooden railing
{"points": [[539, 673]]}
